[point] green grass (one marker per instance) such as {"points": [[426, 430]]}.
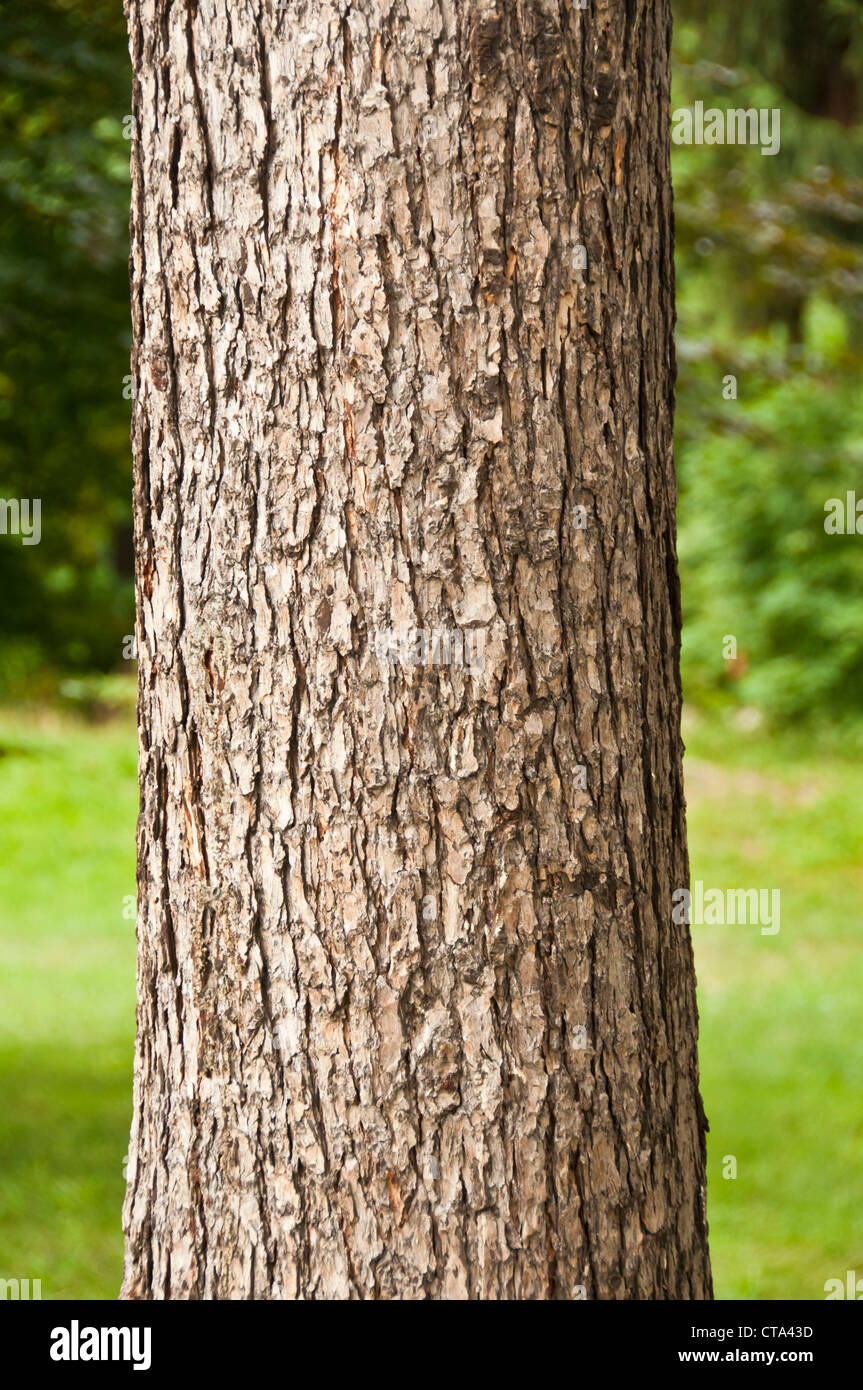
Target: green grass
{"points": [[781, 1045], [68, 802]]}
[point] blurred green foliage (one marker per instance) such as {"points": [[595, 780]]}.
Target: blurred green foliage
{"points": [[64, 334], [770, 291]]}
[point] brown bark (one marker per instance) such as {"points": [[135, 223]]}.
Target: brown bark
{"points": [[414, 1018]]}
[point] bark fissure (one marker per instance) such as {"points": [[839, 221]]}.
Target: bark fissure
{"points": [[414, 1019]]}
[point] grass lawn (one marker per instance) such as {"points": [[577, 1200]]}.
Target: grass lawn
{"points": [[782, 1050], [68, 803], [781, 1043]]}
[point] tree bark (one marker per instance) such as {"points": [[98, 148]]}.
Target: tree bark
{"points": [[414, 1018]]}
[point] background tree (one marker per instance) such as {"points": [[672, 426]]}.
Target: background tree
{"points": [[414, 1017]]}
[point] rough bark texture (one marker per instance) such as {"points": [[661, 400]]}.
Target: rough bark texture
{"points": [[414, 1018]]}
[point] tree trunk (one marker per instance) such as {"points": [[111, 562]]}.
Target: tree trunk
{"points": [[414, 1018]]}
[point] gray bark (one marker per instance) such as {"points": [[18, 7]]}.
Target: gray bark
{"points": [[414, 1018]]}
